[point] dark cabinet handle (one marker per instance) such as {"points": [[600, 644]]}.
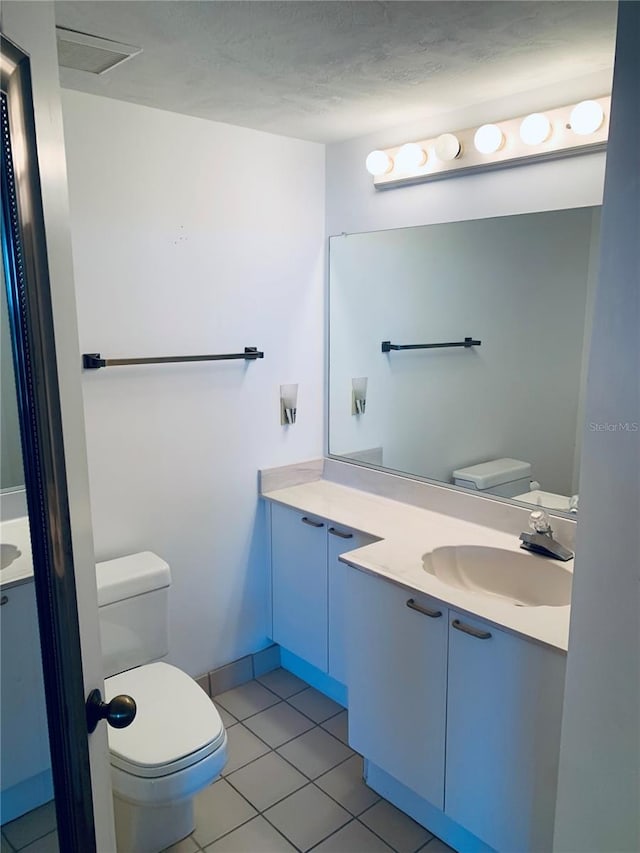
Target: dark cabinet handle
{"points": [[426, 611], [4, 599], [334, 532], [311, 522], [469, 629], [119, 713]]}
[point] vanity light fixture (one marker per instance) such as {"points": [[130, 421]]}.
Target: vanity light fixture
{"points": [[378, 163], [586, 117], [488, 139], [410, 156], [559, 132], [358, 395], [447, 147], [535, 128], [288, 404]]}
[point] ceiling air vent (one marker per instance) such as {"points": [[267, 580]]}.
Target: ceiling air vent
{"points": [[92, 54]]}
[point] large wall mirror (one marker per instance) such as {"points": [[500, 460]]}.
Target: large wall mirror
{"points": [[500, 414]]}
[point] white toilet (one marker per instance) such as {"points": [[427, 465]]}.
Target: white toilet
{"points": [[176, 745], [505, 477]]}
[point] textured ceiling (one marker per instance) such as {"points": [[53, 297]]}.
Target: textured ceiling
{"points": [[328, 71]]}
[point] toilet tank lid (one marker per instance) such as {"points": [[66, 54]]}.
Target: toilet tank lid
{"points": [[494, 473], [132, 575]]}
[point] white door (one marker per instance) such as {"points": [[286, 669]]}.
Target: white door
{"points": [[31, 28]]}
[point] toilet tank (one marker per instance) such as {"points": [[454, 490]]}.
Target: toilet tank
{"points": [[133, 599], [504, 477]]}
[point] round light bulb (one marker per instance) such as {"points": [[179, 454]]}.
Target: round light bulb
{"points": [[586, 117], [447, 147], [535, 128], [410, 156], [378, 163], [488, 139]]}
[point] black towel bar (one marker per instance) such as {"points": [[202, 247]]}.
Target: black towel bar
{"points": [[387, 346], [93, 361]]}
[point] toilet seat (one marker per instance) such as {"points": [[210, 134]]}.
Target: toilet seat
{"points": [[176, 724]]}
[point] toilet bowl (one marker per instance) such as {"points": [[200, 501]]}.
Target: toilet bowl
{"points": [[176, 745]]}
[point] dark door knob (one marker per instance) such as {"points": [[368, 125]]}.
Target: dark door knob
{"points": [[119, 713]]}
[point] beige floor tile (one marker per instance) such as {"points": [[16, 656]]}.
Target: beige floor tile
{"points": [[315, 752], [218, 810], [278, 724], [396, 828], [246, 700], [353, 838], [344, 783], [242, 747], [338, 726], [257, 836], [315, 705], [23, 830], [283, 683], [267, 780], [227, 719], [307, 817], [187, 845]]}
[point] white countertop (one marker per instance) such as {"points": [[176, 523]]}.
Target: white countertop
{"points": [[17, 564], [406, 533]]}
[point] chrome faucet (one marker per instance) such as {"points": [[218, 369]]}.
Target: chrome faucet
{"points": [[541, 540]]}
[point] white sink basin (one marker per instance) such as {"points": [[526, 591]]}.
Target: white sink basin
{"points": [[524, 580]]}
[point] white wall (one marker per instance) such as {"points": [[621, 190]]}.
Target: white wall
{"points": [[195, 237], [517, 283], [599, 782]]}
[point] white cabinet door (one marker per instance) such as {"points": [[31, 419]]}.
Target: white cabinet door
{"points": [[503, 735], [299, 584], [341, 539], [396, 674], [25, 742]]}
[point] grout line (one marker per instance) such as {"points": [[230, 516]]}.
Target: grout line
{"points": [[288, 840], [371, 829], [331, 834], [8, 843], [32, 840], [377, 835], [291, 695], [311, 718], [243, 823], [271, 749]]}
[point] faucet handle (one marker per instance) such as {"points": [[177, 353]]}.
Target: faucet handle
{"points": [[539, 521]]}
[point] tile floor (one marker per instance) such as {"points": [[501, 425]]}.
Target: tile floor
{"points": [[291, 784]]}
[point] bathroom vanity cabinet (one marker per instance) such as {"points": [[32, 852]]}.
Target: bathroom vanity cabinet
{"points": [[504, 713], [397, 664], [465, 715], [458, 720], [307, 584], [25, 767]]}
